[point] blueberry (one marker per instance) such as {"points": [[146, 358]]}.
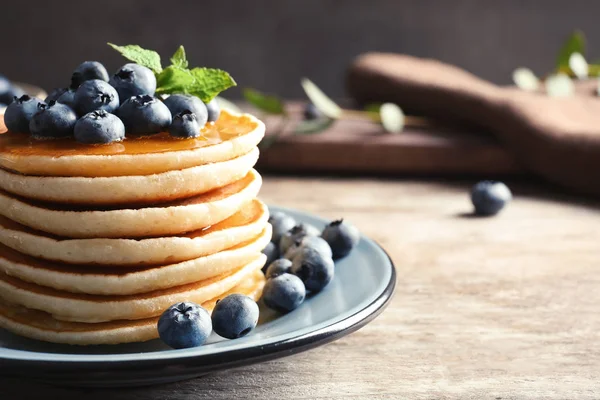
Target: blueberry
{"points": [[314, 242], [341, 237], [296, 233], [12, 92], [52, 120], [55, 94], [284, 293], [278, 267], [234, 316], [67, 98], [185, 125], [5, 84], [281, 223], [311, 112], [272, 253], [144, 114], [313, 268], [99, 127], [95, 95], [178, 103], [214, 110], [490, 197], [19, 113], [88, 71], [133, 80], [184, 325]]}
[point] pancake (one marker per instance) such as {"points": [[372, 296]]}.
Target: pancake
{"points": [[119, 281], [240, 227], [164, 219], [145, 189], [231, 136], [95, 308], [41, 326]]}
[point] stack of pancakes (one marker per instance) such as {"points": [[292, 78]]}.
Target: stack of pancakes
{"points": [[97, 241]]}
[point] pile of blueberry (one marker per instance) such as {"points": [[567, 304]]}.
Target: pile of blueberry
{"points": [[300, 259], [96, 109]]}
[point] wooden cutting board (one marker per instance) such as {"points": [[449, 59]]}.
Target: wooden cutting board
{"points": [[359, 146]]}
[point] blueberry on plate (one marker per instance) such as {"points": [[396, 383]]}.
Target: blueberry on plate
{"points": [[278, 267], [144, 115], [52, 120], [281, 223], [489, 197], [214, 110], [272, 253], [184, 325], [99, 127], [284, 293], [291, 237], [55, 94], [311, 112], [341, 237], [88, 71], [96, 95], [234, 316], [178, 103], [133, 80], [67, 98], [314, 242], [313, 268], [12, 92], [19, 113], [184, 125]]}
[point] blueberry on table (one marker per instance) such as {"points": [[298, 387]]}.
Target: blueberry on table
{"points": [[184, 325], [88, 71], [214, 110], [133, 80], [314, 242], [341, 237], [281, 223], [272, 253], [278, 267], [177, 103], [95, 95], [55, 94], [184, 125], [67, 98], [489, 197], [19, 113], [311, 112], [313, 268], [284, 293], [99, 127], [144, 115], [234, 316], [52, 120]]}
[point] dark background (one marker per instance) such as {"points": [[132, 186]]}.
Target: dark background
{"points": [[269, 45]]}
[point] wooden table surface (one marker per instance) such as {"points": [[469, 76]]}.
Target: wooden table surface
{"points": [[495, 308]]}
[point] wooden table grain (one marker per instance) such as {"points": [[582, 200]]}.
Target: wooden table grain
{"points": [[485, 308]]}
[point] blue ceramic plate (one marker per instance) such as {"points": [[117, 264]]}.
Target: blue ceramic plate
{"points": [[363, 285]]}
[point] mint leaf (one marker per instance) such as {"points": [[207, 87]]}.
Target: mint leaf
{"points": [[574, 44], [178, 59], [321, 100], [267, 103], [135, 53], [174, 80], [209, 82], [313, 126]]}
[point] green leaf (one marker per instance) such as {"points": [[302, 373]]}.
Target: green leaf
{"points": [[135, 53], [321, 100], [574, 44], [209, 82], [313, 126], [264, 102], [174, 80], [392, 117], [178, 59]]}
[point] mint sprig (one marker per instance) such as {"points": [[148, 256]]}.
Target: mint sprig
{"points": [[204, 83]]}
